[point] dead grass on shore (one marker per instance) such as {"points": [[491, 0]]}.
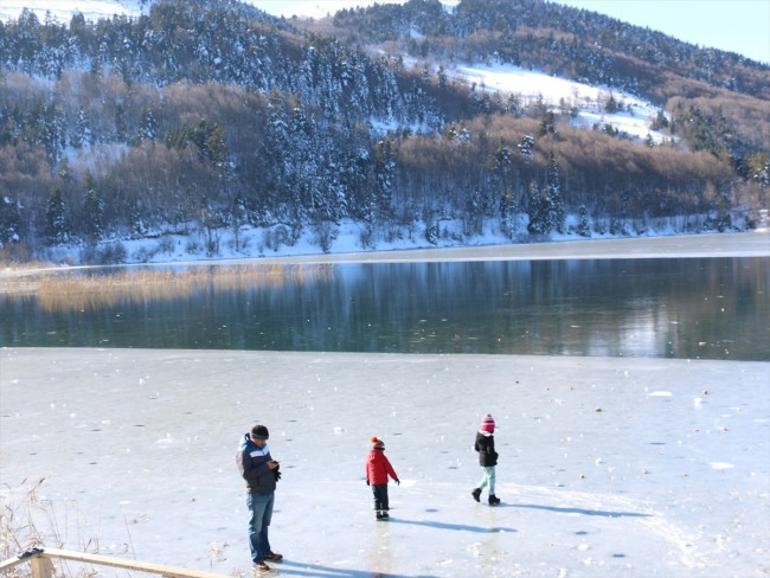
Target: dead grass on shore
{"points": [[79, 292], [29, 520], [17, 530]]}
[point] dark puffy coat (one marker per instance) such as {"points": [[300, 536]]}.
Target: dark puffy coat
{"points": [[485, 445], [252, 462]]}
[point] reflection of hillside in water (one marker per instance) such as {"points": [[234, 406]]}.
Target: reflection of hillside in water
{"points": [[693, 308], [95, 291]]}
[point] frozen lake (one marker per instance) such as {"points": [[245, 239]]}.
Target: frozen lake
{"points": [[695, 308], [608, 467]]}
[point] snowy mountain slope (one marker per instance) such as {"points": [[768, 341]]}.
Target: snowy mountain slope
{"points": [[325, 164], [530, 85], [634, 116]]}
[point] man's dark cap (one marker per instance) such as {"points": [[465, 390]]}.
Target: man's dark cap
{"points": [[260, 432]]}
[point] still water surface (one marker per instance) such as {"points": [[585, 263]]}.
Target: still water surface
{"points": [[686, 308]]}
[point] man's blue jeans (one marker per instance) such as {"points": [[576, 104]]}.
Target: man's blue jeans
{"points": [[261, 508]]}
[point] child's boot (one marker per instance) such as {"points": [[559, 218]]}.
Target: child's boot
{"points": [[379, 515], [385, 515], [476, 494], [493, 500]]}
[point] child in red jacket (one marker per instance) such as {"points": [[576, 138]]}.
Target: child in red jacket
{"points": [[378, 469]]}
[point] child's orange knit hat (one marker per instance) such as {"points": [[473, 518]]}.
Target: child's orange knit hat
{"points": [[377, 442]]}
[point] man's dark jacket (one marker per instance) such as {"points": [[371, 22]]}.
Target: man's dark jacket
{"points": [[252, 461]]}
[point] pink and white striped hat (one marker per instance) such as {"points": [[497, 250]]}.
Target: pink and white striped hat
{"points": [[488, 424]]}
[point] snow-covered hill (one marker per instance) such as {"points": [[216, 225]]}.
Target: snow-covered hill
{"points": [[634, 116]]}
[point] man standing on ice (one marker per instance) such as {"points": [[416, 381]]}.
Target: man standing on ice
{"points": [[261, 473]]}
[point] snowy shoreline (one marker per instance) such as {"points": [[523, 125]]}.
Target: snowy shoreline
{"points": [[744, 244], [608, 466]]}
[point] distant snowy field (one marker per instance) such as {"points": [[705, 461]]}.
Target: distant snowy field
{"points": [[589, 100], [608, 467]]}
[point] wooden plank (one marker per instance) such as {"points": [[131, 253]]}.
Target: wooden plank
{"points": [[6, 565], [162, 569], [41, 567]]}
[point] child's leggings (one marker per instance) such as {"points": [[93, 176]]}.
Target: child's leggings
{"points": [[488, 479]]}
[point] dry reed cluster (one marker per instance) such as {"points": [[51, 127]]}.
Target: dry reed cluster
{"points": [[79, 292]]}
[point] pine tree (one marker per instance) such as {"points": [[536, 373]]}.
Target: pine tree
{"points": [[216, 147], [513, 105], [548, 124], [660, 121], [583, 228], [301, 166], [56, 225], [81, 134], [503, 169], [474, 214], [555, 203], [508, 210], [535, 211], [93, 211], [384, 174], [121, 128], [526, 147], [758, 168], [148, 129], [503, 160]]}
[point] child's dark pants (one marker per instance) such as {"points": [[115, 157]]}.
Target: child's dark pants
{"points": [[380, 492]]}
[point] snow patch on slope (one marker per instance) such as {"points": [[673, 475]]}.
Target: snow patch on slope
{"points": [[531, 86]]}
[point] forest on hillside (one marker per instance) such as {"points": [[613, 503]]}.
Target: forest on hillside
{"points": [[204, 115]]}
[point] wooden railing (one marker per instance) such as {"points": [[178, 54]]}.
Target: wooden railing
{"points": [[42, 566]]}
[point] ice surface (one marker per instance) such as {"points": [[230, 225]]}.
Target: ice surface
{"points": [[137, 448]]}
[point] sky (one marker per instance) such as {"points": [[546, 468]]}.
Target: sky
{"points": [[741, 26]]}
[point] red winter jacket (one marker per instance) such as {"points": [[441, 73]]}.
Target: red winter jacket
{"points": [[378, 467]]}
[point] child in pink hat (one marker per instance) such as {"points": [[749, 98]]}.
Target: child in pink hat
{"points": [[485, 445]]}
